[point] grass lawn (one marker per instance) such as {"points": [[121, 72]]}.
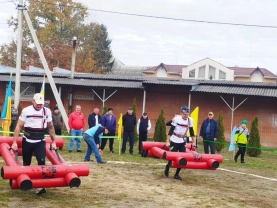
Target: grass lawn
{"points": [[134, 181]]}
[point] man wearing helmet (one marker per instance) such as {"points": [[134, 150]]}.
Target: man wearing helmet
{"points": [[177, 138]]}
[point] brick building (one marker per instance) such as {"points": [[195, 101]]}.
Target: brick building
{"points": [[169, 94]]}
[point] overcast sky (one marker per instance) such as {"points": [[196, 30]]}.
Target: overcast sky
{"points": [[149, 41]]}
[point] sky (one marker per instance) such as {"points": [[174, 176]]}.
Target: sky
{"points": [[142, 41]]}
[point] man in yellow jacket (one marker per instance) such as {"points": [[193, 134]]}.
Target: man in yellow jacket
{"points": [[241, 138]]}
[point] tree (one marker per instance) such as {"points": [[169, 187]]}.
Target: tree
{"points": [[104, 110], [220, 144], [160, 128], [56, 23], [254, 143], [135, 113]]}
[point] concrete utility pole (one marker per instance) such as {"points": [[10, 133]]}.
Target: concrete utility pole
{"points": [[20, 8], [47, 70], [73, 57]]}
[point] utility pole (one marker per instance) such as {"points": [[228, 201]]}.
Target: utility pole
{"points": [[47, 70], [73, 61], [73, 57], [20, 8]]}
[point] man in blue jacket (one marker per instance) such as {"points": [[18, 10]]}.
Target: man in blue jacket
{"points": [[209, 133], [109, 122], [91, 137]]}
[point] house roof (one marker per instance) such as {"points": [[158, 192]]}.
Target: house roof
{"points": [[238, 71], [119, 68], [171, 69], [242, 71]]}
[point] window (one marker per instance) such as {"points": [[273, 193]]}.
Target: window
{"points": [[201, 73], [222, 75], [192, 73], [211, 72]]}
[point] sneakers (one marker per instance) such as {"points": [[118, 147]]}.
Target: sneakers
{"points": [[177, 177], [166, 171], [102, 162], [131, 153], [235, 159], [242, 162], [112, 151], [40, 191], [69, 150], [88, 160], [79, 151]]}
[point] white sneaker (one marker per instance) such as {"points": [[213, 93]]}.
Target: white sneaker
{"points": [[40, 191]]}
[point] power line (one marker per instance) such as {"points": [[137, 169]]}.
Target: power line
{"points": [[162, 17]]}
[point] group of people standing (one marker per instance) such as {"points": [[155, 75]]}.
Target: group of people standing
{"points": [[106, 126], [209, 133]]}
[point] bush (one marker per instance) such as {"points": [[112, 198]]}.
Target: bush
{"points": [[135, 113], [220, 144], [254, 140], [104, 110], [160, 128]]}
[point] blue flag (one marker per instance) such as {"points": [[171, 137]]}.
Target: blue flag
{"points": [[232, 146]]}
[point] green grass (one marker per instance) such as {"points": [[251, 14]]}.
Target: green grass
{"points": [[96, 191]]}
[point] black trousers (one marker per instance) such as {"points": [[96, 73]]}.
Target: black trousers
{"points": [[209, 143], [111, 140], [58, 131], [38, 149], [126, 135], [13, 125], [241, 152], [142, 138], [176, 147]]}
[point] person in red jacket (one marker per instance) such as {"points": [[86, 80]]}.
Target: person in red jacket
{"points": [[76, 124]]}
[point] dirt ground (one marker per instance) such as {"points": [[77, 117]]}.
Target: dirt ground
{"points": [[136, 184]]}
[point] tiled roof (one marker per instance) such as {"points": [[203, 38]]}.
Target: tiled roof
{"points": [[171, 69], [241, 71], [237, 90], [238, 71]]}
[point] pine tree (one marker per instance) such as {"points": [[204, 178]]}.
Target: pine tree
{"points": [[135, 113], [254, 140], [160, 128], [220, 143]]}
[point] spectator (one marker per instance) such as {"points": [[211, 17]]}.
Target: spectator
{"points": [[209, 133], [109, 122], [57, 121], [129, 121], [14, 116], [94, 118], [76, 124], [241, 138], [144, 125]]}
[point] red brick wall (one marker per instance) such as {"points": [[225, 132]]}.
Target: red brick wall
{"points": [[170, 99]]}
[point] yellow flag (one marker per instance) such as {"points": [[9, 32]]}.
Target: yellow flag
{"points": [[194, 116], [42, 90], [7, 109], [119, 130]]}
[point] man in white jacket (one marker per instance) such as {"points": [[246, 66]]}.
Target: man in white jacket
{"points": [[143, 126]]}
